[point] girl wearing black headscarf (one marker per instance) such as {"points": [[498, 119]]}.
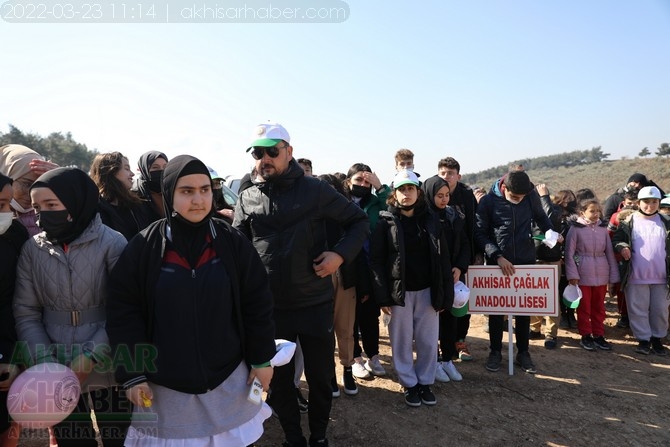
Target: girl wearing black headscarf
{"points": [[148, 185], [437, 193], [194, 290], [59, 303]]}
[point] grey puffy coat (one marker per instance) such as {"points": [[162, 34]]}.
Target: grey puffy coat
{"points": [[52, 279]]}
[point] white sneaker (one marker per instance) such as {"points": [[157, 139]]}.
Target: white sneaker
{"points": [[375, 366], [441, 374], [451, 371], [358, 370]]}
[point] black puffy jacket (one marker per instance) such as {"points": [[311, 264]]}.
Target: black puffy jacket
{"points": [[387, 259], [285, 220]]}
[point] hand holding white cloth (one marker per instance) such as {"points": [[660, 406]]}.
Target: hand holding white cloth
{"points": [[285, 351]]}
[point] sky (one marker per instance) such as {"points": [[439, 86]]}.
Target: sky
{"points": [[486, 82]]}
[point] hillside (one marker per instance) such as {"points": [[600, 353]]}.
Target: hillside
{"points": [[603, 178]]}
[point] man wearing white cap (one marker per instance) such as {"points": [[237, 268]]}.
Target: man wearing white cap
{"points": [[283, 213]]}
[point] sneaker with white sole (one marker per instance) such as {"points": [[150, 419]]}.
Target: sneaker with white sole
{"points": [[374, 366], [412, 397], [426, 395], [350, 387], [441, 374], [451, 371], [358, 369], [335, 389]]}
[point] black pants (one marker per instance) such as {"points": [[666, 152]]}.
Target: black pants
{"points": [[314, 325], [112, 412], [521, 328], [4, 412], [367, 322], [447, 335], [462, 326]]}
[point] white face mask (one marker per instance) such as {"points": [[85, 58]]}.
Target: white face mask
{"points": [[14, 204], [6, 221]]}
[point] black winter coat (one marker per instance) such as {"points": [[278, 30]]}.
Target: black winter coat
{"points": [[10, 248], [131, 301], [505, 229], [285, 220], [387, 258]]}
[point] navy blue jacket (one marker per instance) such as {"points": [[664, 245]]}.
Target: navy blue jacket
{"points": [[505, 229], [133, 306]]}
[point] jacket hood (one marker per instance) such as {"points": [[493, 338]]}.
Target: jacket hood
{"points": [[495, 188]]}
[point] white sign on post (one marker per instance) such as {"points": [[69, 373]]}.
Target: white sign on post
{"points": [[532, 290]]}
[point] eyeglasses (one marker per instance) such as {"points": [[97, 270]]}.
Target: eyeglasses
{"points": [[273, 151], [23, 184]]}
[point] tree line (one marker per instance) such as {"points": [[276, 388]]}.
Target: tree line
{"points": [[66, 151], [58, 148]]}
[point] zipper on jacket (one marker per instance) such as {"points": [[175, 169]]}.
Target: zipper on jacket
{"points": [[513, 206], [201, 369]]}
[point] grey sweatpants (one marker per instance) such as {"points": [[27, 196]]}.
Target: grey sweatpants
{"points": [[417, 321], [648, 310]]}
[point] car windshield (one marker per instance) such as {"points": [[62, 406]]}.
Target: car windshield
{"points": [[229, 195]]}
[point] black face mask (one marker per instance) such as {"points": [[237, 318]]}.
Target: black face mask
{"points": [[55, 223], [361, 191], [154, 182], [406, 207]]}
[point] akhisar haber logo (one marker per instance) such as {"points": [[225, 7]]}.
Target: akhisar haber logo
{"points": [[43, 395]]}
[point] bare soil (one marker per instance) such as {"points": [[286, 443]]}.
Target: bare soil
{"points": [[577, 398]]}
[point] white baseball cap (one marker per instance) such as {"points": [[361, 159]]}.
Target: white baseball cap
{"points": [[461, 299], [461, 294], [269, 134], [572, 294], [213, 174], [649, 192], [405, 177]]}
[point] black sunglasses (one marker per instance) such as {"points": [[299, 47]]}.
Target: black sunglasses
{"points": [[272, 151]]}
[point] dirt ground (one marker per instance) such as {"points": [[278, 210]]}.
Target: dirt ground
{"points": [[577, 398]]}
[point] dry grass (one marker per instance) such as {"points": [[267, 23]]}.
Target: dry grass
{"points": [[603, 178]]}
